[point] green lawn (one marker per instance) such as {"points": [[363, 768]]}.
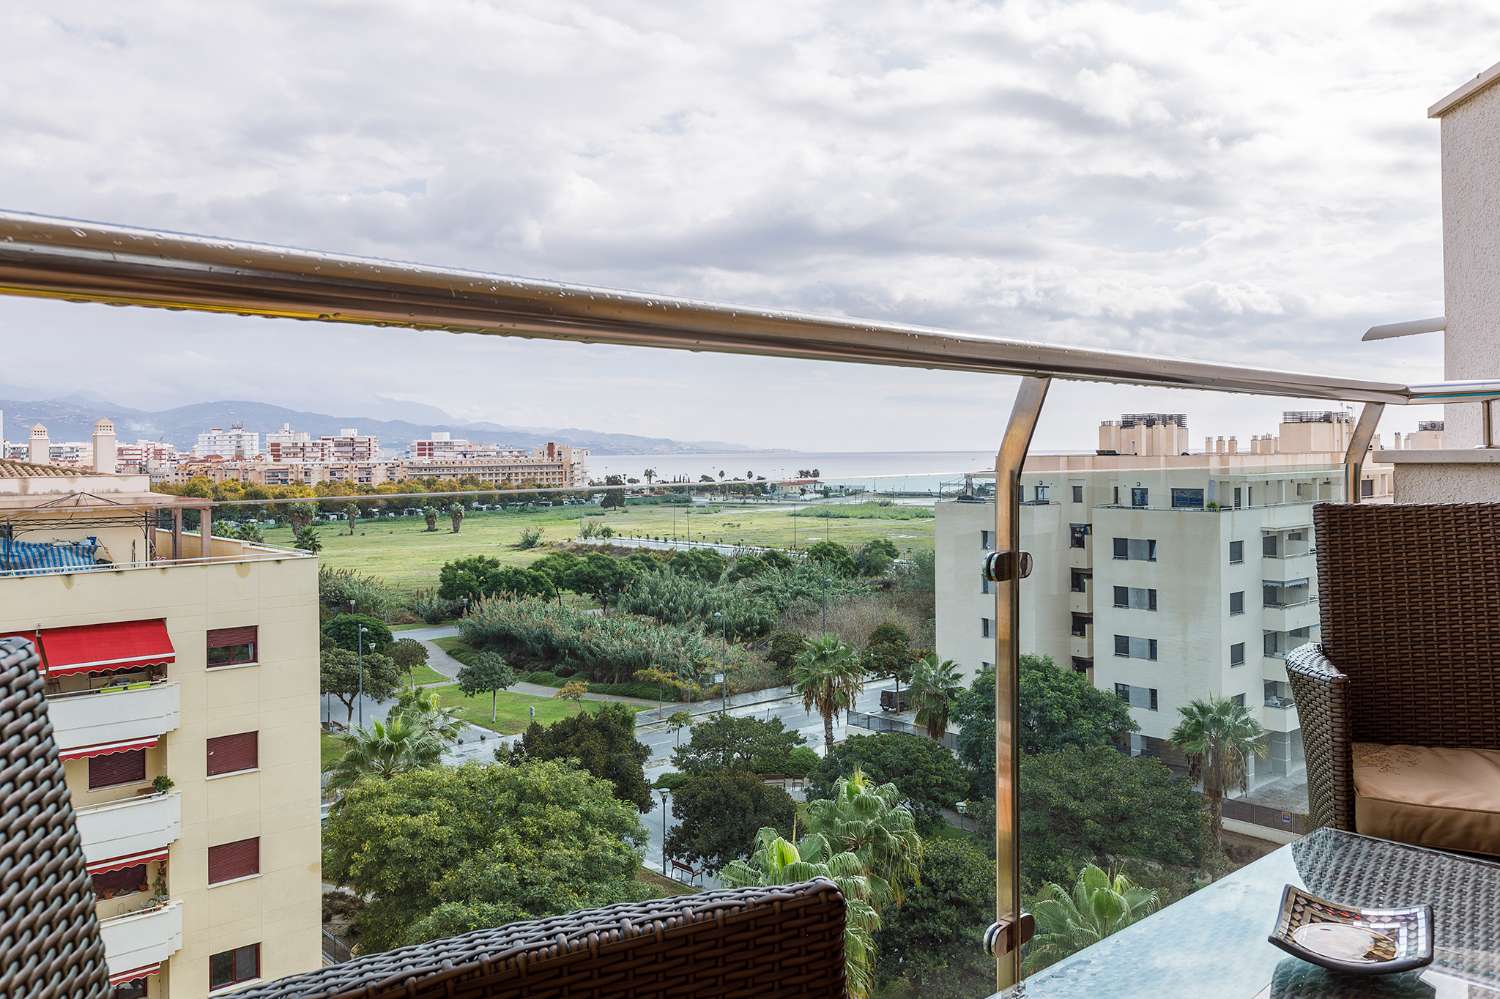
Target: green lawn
{"points": [[425, 674], [406, 555], [457, 648], [512, 710], [332, 747], [664, 886]]}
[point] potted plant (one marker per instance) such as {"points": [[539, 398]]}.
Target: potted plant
{"points": [[162, 784]]}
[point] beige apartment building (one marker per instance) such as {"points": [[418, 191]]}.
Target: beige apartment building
{"points": [[1165, 576], [182, 681]]}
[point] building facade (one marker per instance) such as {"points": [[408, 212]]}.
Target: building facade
{"points": [[236, 442], [182, 683], [1164, 577]]}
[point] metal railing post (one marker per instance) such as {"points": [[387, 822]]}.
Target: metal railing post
{"points": [[1359, 445], [1007, 566]]}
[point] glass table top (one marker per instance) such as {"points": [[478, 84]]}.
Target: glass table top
{"points": [[1213, 943]]}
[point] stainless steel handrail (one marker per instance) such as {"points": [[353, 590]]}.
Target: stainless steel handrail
{"points": [[57, 258]]}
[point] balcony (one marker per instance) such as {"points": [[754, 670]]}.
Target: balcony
{"points": [[144, 938], [133, 826], [1290, 616], [114, 714], [1286, 568]]}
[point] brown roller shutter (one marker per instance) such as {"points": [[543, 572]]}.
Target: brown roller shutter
{"points": [[234, 860], [231, 636], [117, 768], [229, 754]]}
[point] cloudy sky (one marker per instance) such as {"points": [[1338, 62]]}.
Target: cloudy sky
{"points": [[1249, 182]]}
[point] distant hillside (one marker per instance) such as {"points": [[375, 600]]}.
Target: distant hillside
{"points": [[73, 420]]}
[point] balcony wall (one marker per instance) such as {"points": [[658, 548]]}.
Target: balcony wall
{"points": [[87, 719], [1304, 615], [1081, 603], [1289, 567], [135, 825], [142, 938]]}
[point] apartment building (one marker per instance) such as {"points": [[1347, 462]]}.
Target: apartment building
{"points": [[1164, 576], [551, 464], [182, 682], [288, 445], [236, 442], [349, 446]]}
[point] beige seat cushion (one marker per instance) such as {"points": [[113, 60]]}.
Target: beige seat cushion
{"points": [[1448, 799]]}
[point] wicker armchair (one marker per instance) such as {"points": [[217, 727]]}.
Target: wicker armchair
{"points": [[785, 940], [1410, 654]]}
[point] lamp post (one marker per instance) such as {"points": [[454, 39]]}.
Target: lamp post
{"points": [[827, 582], [724, 670], [360, 697], [664, 792]]}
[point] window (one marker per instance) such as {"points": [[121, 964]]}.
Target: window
{"points": [[1367, 487], [1042, 492], [1078, 581], [1236, 552], [230, 754], [1136, 697], [114, 769], [986, 584], [1237, 503], [1187, 499], [1116, 499], [231, 967], [1135, 598], [124, 882], [231, 646], [1077, 494], [1135, 648], [1139, 496], [1237, 654], [239, 859], [1081, 624], [1078, 534], [1082, 664], [987, 541], [1135, 549], [1239, 699], [1236, 603], [986, 628]]}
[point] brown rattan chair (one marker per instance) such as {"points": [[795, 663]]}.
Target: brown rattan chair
{"points": [[786, 940], [1409, 602]]}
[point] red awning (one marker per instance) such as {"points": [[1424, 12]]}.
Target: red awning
{"points": [[105, 748], [121, 863], [98, 648], [122, 977]]}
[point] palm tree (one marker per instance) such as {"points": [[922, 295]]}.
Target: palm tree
{"points": [[828, 676], [386, 749], [935, 686], [1098, 905], [874, 824], [424, 710], [1218, 736], [456, 514], [777, 861], [430, 514]]}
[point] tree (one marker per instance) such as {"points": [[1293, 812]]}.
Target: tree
{"points": [[430, 514], [934, 939], [873, 823], [467, 578], [384, 750], [662, 680], [573, 691], [306, 538], [724, 742], [888, 652], [828, 677], [777, 861], [925, 773], [832, 557], [339, 675], [1218, 736], [603, 743], [649, 474], [445, 850], [1093, 806], [785, 647], [718, 815], [677, 721], [408, 654], [456, 515], [300, 515], [250, 532], [875, 557], [343, 631], [1068, 921], [601, 577], [702, 564], [424, 709], [934, 689], [489, 673]]}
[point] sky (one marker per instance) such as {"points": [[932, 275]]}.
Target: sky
{"points": [[1244, 182]]}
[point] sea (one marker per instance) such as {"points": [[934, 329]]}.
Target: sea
{"points": [[931, 472]]}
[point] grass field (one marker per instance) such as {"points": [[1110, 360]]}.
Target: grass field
{"points": [[424, 675], [512, 710], [407, 556], [332, 748]]}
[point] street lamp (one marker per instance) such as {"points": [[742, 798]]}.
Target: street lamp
{"points": [[360, 641], [664, 792], [826, 584], [724, 672]]}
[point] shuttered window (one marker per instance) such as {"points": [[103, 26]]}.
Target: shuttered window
{"points": [[230, 967], [117, 768], [229, 754], [239, 859], [232, 646]]}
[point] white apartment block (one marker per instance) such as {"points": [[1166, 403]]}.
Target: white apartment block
{"points": [[349, 445], [1163, 576], [182, 684], [236, 442], [551, 464]]}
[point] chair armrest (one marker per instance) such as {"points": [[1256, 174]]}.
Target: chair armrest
{"points": [[1322, 697]]}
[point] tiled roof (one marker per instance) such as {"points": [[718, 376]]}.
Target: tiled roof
{"points": [[26, 470]]}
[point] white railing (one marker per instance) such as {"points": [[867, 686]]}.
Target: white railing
{"points": [[142, 938], [135, 711], [146, 822]]}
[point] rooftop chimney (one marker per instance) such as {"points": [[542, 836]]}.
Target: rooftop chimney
{"points": [[104, 447], [41, 448]]}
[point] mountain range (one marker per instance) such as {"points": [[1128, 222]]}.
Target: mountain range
{"points": [[73, 418]]}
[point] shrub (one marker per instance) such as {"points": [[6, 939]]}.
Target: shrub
{"points": [[832, 557], [338, 589], [531, 537], [343, 631], [433, 609]]}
